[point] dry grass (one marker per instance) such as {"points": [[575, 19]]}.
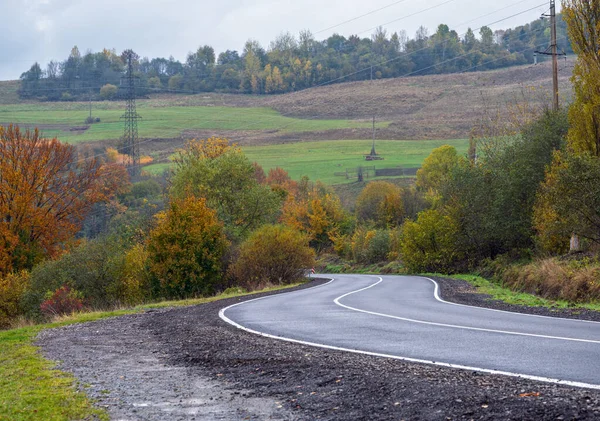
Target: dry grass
{"points": [[573, 281]]}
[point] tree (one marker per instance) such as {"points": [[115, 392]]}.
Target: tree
{"points": [[275, 254], [583, 25], [222, 174], [185, 249], [436, 170], [429, 243], [108, 91], [569, 202], [380, 203], [45, 193], [317, 212]]}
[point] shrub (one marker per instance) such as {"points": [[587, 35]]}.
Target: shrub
{"points": [[92, 120], [185, 249], [62, 301], [429, 244], [12, 289], [132, 286], [66, 96], [97, 269], [274, 254], [370, 246], [108, 91]]}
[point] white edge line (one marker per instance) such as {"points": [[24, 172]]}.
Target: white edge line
{"points": [[440, 299], [396, 357], [476, 329]]}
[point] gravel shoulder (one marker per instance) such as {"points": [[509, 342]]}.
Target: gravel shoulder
{"points": [[186, 364]]}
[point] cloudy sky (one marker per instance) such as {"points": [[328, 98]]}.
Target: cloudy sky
{"points": [[42, 30]]}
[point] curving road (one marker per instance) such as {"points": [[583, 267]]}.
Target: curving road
{"points": [[403, 317]]}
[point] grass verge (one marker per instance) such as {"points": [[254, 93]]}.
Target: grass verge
{"points": [[498, 292], [32, 389], [483, 286]]}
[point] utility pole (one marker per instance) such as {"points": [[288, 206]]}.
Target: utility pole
{"points": [[131, 146], [555, 104], [553, 51], [373, 153]]}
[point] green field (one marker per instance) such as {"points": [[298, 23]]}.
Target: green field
{"points": [[321, 160], [157, 122]]}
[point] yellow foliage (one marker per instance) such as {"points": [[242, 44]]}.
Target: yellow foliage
{"points": [[210, 148], [583, 25], [380, 202], [12, 288], [429, 243], [275, 254], [319, 216], [185, 249]]}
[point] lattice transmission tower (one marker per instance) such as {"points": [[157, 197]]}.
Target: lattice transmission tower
{"points": [[130, 141]]}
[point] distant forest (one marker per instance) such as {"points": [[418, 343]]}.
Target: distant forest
{"points": [[293, 63]]}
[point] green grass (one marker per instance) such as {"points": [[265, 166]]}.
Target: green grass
{"points": [[32, 389], [158, 122], [498, 292], [321, 160]]}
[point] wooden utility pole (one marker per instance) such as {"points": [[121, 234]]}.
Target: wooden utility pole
{"points": [[555, 104], [553, 51]]}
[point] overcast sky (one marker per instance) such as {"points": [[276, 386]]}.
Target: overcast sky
{"points": [[42, 30]]}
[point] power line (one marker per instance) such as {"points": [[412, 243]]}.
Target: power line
{"points": [[329, 82]]}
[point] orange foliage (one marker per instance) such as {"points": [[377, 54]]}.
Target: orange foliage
{"points": [[279, 179], [259, 173], [45, 193], [319, 216], [114, 157]]}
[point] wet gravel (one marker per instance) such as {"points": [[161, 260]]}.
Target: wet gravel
{"points": [[186, 364]]}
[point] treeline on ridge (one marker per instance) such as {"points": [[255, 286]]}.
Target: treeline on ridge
{"points": [[292, 63]]}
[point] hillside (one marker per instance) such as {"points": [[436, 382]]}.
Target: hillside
{"points": [[423, 107]]}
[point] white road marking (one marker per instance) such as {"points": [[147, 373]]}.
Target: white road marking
{"points": [[395, 357], [478, 329], [440, 299]]}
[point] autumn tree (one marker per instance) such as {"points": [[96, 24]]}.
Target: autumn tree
{"points": [[259, 173], [380, 203], [569, 202], [221, 173], [280, 181], [583, 25], [185, 249], [275, 254], [429, 243], [45, 194], [318, 212], [436, 167]]}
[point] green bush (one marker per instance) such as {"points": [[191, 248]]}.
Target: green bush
{"points": [[429, 244], [370, 246], [106, 271], [275, 254], [186, 249], [108, 91]]}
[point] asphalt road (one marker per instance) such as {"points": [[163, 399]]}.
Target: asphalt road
{"points": [[403, 317]]}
